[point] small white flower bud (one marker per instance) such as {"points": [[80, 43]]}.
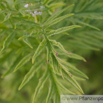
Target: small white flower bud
{"points": [[35, 12], [41, 7], [26, 5], [40, 13]]}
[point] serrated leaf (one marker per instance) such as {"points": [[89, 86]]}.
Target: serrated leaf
{"points": [[73, 69], [31, 73], [38, 50], [67, 75], [40, 85], [22, 62], [63, 29], [55, 64], [71, 55], [79, 78], [83, 23], [64, 88], [52, 77], [8, 41], [74, 56]]}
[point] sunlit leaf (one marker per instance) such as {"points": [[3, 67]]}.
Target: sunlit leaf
{"points": [[63, 29], [31, 73], [38, 50], [22, 62]]}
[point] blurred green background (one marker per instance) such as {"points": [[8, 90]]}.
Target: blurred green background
{"points": [[94, 69]]}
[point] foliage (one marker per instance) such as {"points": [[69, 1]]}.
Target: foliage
{"points": [[38, 40]]}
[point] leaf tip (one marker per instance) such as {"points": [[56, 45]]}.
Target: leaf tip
{"points": [[31, 47], [14, 71], [83, 93], [72, 4], [19, 88], [87, 77], [84, 60], [99, 29], [72, 14], [32, 61], [18, 38]]}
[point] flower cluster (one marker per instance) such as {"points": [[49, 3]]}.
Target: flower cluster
{"points": [[35, 12]]}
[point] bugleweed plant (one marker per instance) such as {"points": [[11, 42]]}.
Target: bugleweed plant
{"points": [[37, 40]]}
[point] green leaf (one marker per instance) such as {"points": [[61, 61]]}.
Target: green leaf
{"points": [[57, 14], [79, 78], [64, 88], [26, 36], [89, 40], [57, 99], [40, 85], [26, 22], [23, 62], [49, 92], [4, 57], [28, 43], [63, 29], [7, 17], [55, 64], [58, 20], [81, 44], [71, 55], [73, 69], [87, 5], [56, 5], [7, 4], [67, 75], [8, 41], [10, 70], [31, 73], [90, 15], [83, 23], [38, 50], [46, 1], [2, 26], [94, 33]]}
